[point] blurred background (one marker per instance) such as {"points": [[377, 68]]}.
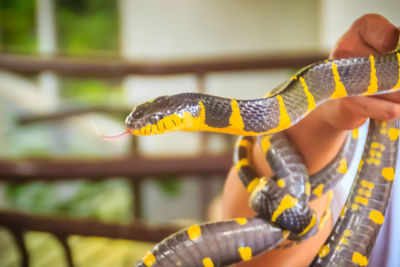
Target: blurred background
{"points": [[69, 69]]}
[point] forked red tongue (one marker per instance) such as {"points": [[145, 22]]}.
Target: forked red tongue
{"points": [[107, 137], [110, 137]]}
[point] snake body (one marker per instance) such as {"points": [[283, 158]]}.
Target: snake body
{"points": [[290, 182], [282, 200], [354, 234]]}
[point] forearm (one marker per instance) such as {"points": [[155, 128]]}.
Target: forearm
{"points": [[316, 141]]}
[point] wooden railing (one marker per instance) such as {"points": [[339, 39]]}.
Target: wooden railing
{"points": [[18, 223], [118, 68], [135, 168]]}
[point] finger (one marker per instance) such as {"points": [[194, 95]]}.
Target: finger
{"points": [[351, 45], [352, 112], [370, 106], [370, 34], [393, 97], [377, 32]]}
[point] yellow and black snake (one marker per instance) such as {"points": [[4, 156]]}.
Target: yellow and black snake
{"points": [[282, 200]]}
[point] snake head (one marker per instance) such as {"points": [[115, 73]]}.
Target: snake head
{"points": [[157, 116]]}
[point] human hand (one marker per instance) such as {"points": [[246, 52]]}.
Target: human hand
{"points": [[370, 34], [321, 134]]}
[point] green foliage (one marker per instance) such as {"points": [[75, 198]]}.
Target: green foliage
{"points": [[86, 26], [36, 197], [17, 26], [83, 27], [108, 201], [91, 91], [170, 187]]}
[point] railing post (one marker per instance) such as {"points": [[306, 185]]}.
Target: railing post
{"points": [[136, 184], [18, 234], [63, 239]]}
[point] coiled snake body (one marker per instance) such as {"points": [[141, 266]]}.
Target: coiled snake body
{"points": [[281, 201]]}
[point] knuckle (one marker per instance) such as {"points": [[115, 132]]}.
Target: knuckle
{"points": [[343, 105], [389, 38], [392, 112]]}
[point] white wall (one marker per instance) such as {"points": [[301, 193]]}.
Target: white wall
{"points": [[338, 15], [181, 28]]}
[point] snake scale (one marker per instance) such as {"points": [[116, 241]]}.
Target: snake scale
{"points": [[282, 201]]}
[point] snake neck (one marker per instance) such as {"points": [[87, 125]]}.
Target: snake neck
{"points": [[291, 102], [201, 112]]}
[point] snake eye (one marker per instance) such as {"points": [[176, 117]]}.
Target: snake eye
{"points": [[137, 114]]}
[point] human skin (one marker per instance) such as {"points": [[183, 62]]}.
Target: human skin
{"points": [[319, 136]]}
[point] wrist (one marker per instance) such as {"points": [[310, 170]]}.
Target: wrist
{"points": [[317, 140]]}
